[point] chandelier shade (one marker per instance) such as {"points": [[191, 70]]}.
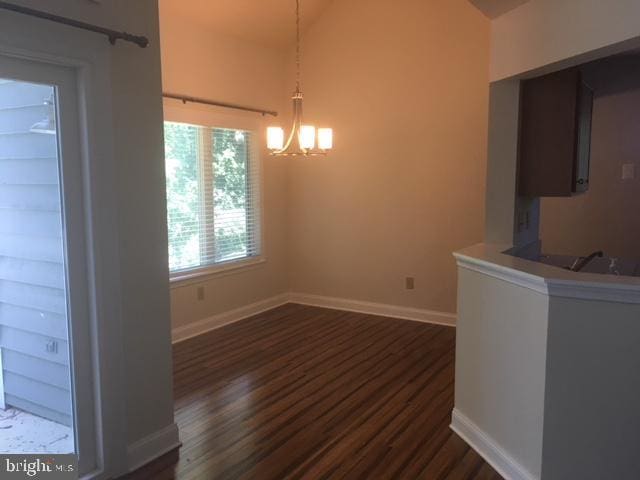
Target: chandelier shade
{"points": [[325, 138], [275, 138]]}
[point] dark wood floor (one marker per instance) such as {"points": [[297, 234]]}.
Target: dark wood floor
{"points": [[308, 393]]}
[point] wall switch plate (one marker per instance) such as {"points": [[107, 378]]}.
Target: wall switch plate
{"points": [[200, 293], [410, 283], [628, 171]]}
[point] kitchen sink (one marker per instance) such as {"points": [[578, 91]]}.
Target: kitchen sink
{"points": [[602, 265]]}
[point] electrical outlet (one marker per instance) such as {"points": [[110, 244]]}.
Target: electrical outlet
{"points": [[628, 171], [409, 283], [200, 293], [51, 346], [524, 220]]}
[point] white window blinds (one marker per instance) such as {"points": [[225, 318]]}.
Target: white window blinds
{"points": [[213, 201]]}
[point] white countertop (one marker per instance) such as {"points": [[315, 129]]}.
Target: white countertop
{"points": [[489, 259]]}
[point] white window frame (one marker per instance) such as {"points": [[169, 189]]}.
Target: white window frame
{"points": [[207, 117]]}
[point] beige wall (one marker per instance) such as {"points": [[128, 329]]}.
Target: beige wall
{"points": [[143, 246], [591, 412], [543, 32], [504, 109], [604, 218], [405, 87], [501, 342], [543, 373], [199, 62]]}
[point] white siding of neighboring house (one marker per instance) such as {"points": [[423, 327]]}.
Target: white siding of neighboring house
{"points": [[32, 289]]}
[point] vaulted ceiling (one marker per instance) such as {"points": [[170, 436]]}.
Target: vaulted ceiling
{"points": [[272, 22], [268, 22]]}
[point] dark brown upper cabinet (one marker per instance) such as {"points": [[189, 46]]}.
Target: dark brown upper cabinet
{"points": [[555, 135]]}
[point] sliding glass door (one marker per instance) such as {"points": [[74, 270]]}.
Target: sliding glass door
{"points": [[46, 368]]}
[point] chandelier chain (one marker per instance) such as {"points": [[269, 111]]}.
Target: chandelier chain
{"points": [[304, 134], [297, 45]]}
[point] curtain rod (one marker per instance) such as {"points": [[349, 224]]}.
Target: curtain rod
{"points": [[185, 99], [112, 35]]}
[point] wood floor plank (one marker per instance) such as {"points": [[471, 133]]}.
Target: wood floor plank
{"points": [[303, 392], [487, 473]]}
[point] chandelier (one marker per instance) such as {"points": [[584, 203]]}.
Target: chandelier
{"points": [[304, 134]]}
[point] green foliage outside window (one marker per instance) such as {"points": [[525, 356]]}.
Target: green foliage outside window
{"points": [[190, 226], [183, 199], [230, 195]]}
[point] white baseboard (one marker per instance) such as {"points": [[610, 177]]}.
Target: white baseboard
{"points": [[395, 311], [225, 318], [488, 449], [407, 313], [152, 446]]}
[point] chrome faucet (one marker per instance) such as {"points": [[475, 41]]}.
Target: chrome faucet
{"points": [[582, 262], [613, 267]]}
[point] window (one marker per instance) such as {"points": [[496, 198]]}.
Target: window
{"points": [[213, 205]]}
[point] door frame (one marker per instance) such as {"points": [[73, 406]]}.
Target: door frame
{"points": [[90, 61], [3, 405], [73, 207]]}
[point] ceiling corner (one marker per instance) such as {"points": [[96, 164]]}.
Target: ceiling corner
{"points": [[495, 8]]}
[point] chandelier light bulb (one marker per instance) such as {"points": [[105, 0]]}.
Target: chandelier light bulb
{"points": [[325, 138], [275, 138], [307, 137]]}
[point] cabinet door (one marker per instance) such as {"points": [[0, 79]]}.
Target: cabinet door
{"points": [[548, 143]]}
